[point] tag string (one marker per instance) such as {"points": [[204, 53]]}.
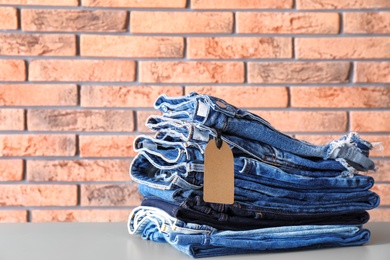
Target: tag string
{"points": [[218, 139]]}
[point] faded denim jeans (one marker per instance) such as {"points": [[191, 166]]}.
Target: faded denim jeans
{"points": [[185, 160], [215, 113], [188, 132]]}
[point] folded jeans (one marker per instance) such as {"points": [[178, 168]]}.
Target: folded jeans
{"points": [[234, 218], [217, 114], [157, 226]]}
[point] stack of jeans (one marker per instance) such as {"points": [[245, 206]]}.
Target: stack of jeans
{"points": [[288, 194]]}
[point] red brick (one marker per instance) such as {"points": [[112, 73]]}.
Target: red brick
{"points": [[271, 22], [370, 121], [82, 70], [238, 47], [365, 97], [51, 20], [337, 4], [37, 145], [124, 96], [11, 170], [306, 121], [383, 190], [298, 72], [142, 116], [41, 2], [383, 171], [38, 195], [38, 95], [371, 22], [37, 44], [241, 4], [106, 146], [11, 119], [8, 18], [78, 170], [80, 215], [191, 72], [329, 48], [110, 195], [181, 22], [80, 120], [131, 46], [12, 70], [136, 3], [372, 72], [243, 96], [380, 215], [13, 216], [381, 150]]}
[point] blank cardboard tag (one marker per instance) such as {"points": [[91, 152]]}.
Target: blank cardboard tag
{"points": [[218, 174]]}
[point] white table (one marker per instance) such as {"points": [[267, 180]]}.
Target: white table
{"points": [[110, 241]]}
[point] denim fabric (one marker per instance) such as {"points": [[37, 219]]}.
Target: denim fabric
{"points": [[249, 191], [159, 227], [145, 170], [288, 194], [215, 113], [261, 203], [185, 160], [253, 193], [142, 214], [187, 132], [191, 212]]}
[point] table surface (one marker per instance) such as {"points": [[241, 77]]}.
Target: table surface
{"points": [[97, 241]]}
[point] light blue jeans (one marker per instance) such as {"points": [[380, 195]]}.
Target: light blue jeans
{"points": [[188, 132], [185, 160], [215, 113]]}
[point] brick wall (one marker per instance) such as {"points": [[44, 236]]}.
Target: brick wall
{"points": [[78, 79]]}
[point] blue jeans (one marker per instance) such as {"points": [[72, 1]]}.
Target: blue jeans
{"points": [[262, 203], [144, 169], [250, 192], [283, 190], [178, 130], [185, 161], [235, 217], [217, 114], [201, 241], [247, 190], [143, 214]]}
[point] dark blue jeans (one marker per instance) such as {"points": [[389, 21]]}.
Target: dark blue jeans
{"points": [[225, 217], [194, 199]]}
